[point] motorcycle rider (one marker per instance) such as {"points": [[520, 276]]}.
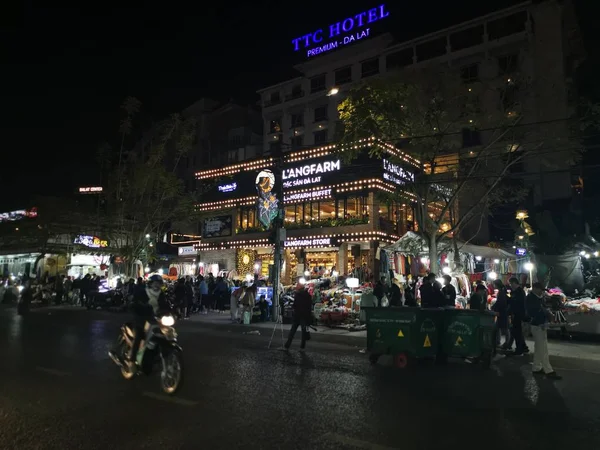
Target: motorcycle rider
{"points": [[147, 304]]}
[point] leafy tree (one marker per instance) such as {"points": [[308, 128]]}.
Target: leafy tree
{"points": [[465, 139], [144, 192]]}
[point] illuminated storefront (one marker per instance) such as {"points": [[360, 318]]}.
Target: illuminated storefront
{"points": [[336, 212]]}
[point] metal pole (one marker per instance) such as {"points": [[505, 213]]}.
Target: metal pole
{"points": [[278, 224]]}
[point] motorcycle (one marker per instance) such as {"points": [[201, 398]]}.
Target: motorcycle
{"points": [[159, 346]]}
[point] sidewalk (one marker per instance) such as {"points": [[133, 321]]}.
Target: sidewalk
{"points": [[579, 350]]}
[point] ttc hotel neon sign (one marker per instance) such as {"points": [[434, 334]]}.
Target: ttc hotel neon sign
{"points": [[340, 33]]}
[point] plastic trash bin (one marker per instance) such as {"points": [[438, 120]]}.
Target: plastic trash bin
{"points": [[469, 334]]}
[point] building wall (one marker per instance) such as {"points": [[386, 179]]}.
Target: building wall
{"points": [[225, 258]]}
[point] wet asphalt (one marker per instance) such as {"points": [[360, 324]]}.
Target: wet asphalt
{"points": [[59, 390]]}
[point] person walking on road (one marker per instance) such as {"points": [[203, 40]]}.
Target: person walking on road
{"points": [[302, 316], [536, 310], [517, 312]]}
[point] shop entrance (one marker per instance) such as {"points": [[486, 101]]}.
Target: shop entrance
{"points": [[318, 263]]}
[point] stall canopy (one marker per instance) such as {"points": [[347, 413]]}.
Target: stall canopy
{"points": [[413, 244]]}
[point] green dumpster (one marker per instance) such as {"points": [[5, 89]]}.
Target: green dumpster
{"points": [[403, 332], [469, 334]]}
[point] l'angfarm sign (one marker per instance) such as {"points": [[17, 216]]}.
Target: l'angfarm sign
{"points": [[309, 173]]}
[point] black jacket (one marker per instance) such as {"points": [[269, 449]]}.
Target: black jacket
{"points": [[141, 304], [516, 305], [449, 294]]}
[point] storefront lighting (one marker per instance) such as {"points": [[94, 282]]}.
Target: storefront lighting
{"points": [[147, 269], [582, 253], [333, 91], [528, 266], [478, 258], [302, 281], [249, 277], [307, 273], [424, 260], [587, 256], [256, 266], [352, 283], [596, 254], [334, 274], [492, 276], [440, 280], [161, 271], [147, 236], [446, 270], [496, 261]]}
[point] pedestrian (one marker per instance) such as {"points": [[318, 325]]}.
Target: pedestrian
{"points": [[426, 291], [189, 297], [449, 292], [221, 292], [501, 308], [59, 289], [302, 316], [478, 300], [234, 299], [211, 289], [204, 297], [248, 301], [380, 291], [540, 317], [516, 308], [395, 293], [263, 306]]}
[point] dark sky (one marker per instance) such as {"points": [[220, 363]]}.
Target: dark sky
{"points": [[66, 70]]}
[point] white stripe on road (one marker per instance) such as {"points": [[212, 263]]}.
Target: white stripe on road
{"points": [[345, 440], [55, 372], [577, 370], [166, 398]]}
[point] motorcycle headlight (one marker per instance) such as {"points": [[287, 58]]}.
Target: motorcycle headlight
{"points": [[167, 321]]}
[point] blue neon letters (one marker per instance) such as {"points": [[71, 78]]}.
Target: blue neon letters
{"points": [[312, 42]]}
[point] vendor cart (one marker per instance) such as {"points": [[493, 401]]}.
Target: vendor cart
{"points": [[405, 333], [469, 334]]}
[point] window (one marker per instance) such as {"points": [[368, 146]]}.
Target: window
{"points": [[297, 120], [274, 99], [232, 156], [297, 142], [275, 126], [321, 113], [470, 138], [296, 92], [236, 141], [317, 83], [247, 218], [399, 59], [343, 75], [290, 213], [508, 64], [469, 74], [506, 26], [320, 137], [274, 148], [466, 38], [431, 49], [370, 67]]}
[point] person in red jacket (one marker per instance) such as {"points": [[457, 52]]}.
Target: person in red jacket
{"points": [[302, 315]]}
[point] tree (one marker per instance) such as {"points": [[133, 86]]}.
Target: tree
{"points": [[144, 192], [465, 139]]}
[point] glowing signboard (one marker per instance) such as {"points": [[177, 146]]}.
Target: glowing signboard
{"points": [[340, 33], [308, 174], [267, 200], [90, 241], [321, 193], [90, 190], [396, 174], [228, 187], [186, 251], [19, 214], [315, 242], [521, 251]]}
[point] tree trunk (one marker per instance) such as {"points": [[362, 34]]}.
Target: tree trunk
{"points": [[433, 256], [457, 261]]}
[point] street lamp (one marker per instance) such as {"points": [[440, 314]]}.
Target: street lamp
{"points": [[333, 91], [528, 266]]}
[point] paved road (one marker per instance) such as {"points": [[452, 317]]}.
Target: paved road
{"points": [[59, 390]]}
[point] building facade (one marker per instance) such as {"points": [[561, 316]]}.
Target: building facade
{"points": [[336, 211], [537, 42]]}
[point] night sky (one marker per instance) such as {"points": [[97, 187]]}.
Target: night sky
{"points": [[67, 70]]}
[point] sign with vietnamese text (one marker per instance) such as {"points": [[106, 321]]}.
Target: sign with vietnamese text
{"points": [[188, 250], [397, 174], [312, 195], [90, 241], [19, 214], [521, 251], [90, 190], [227, 187], [218, 226], [309, 173], [340, 33], [315, 242]]}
